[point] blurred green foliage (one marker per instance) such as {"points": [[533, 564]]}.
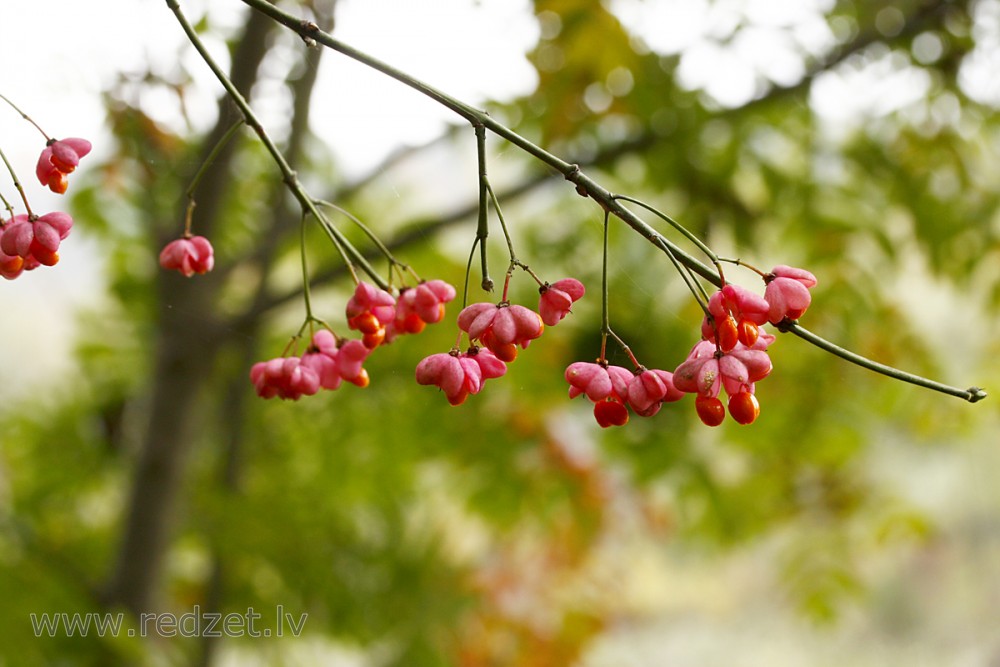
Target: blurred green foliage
{"points": [[421, 534]]}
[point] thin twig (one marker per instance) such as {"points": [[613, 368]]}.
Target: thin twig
{"points": [[288, 174]]}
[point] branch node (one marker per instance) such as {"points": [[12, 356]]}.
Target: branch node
{"points": [[573, 176], [306, 29], [975, 394]]}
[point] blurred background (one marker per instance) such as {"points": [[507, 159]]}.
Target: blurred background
{"points": [[856, 522]]}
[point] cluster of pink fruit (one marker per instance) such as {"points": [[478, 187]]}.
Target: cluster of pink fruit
{"points": [[731, 356], [188, 255], [733, 352], [330, 360], [495, 331], [28, 241]]}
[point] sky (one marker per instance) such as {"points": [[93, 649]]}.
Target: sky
{"points": [[474, 50]]}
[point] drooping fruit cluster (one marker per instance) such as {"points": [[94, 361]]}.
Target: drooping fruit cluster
{"points": [[501, 327], [369, 310], [732, 354], [28, 241], [330, 360], [735, 315], [188, 255], [708, 369], [615, 389], [460, 374], [325, 365], [495, 331], [58, 160], [787, 293], [556, 299], [419, 306]]}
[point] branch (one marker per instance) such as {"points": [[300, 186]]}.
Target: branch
{"points": [[288, 174], [639, 142], [972, 394], [586, 186]]}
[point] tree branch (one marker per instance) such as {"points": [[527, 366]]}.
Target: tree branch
{"points": [[586, 186]]}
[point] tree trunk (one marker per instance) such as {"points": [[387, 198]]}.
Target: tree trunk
{"points": [[185, 353]]}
